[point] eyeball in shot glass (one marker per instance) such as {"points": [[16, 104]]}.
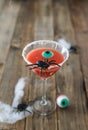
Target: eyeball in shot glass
{"points": [[62, 101]]}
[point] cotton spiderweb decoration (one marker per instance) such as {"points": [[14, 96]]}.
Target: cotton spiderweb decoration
{"points": [[8, 113], [69, 46]]}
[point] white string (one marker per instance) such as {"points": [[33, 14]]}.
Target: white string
{"points": [[19, 91], [8, 113], [64, 43]]}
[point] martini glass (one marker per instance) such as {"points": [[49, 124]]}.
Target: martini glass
{"points": [[44, 58]]}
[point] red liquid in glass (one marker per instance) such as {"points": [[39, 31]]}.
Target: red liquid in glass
{"points": [[36, 55]]}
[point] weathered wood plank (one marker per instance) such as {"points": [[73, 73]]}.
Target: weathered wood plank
{"points": [[8, 19], [9, 15], [43, 29], [64, 29], [84, 40], [70, 77], [35, 21], [6, 32], [24, 34], [80, 23], [2, 4], [15, 66], [44, 21], [84, 6]]}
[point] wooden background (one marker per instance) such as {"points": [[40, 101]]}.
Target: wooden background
{"points": [[23, 21]]}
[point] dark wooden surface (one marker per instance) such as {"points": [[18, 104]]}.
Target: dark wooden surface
{"points": [[23, 21]]}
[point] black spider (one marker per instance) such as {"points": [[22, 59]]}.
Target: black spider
{"points": [[43, 64], [74, 49], [22, 107]]}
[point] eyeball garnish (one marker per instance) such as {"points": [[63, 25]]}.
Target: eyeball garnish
{"points": [[47, 54], [62, 101]]}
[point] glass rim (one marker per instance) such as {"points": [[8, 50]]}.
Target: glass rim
{"points": [[39, 41]]}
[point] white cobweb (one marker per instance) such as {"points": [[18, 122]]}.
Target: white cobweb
{"points": [[69, 46], [8, 113], [64, 43]]}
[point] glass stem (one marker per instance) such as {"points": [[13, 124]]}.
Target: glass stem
{"points": [[44, 101]]}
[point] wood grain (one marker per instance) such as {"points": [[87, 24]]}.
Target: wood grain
{"points": [[2, 4], [70, 77], [15, 66], [8, 18], [43, 29], [24, 21], [81, 31]]}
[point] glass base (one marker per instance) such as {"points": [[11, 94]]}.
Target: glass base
{"points": [[44, 107]]}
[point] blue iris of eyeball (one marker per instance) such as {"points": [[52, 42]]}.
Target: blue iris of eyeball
{"points": [[62, 101], [47, 54]]}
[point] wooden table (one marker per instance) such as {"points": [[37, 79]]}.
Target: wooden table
{"points": [[23, 21]]}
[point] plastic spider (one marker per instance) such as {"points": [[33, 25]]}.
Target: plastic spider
{"points": [[43, 64], [22, 107]]}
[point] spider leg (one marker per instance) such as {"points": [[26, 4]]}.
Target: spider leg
{"points": [[33, 68], [28, 111], [56, 64], [52, 61], [32, 101], [31, 65]]}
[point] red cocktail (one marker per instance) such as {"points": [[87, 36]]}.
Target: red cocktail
{"points": [[44, 58], [37, 55]]}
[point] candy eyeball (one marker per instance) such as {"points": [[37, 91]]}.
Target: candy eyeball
{"points": [[47, 54], [62, 101]]}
